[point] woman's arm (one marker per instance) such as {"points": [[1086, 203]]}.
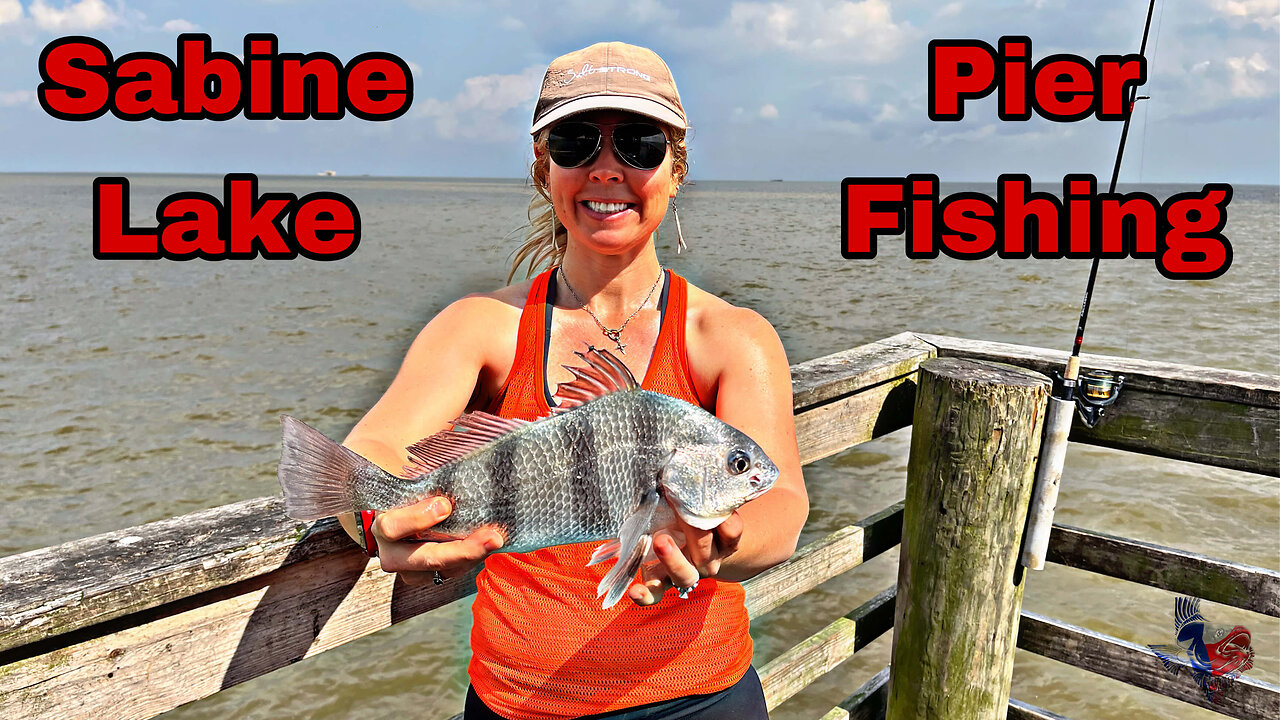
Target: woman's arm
{"points": [[753, 394], [436, 380]]}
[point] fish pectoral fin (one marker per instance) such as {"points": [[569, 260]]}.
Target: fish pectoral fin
{"points": [[607, 551], [615, 584], [1168, 656], [633, 543]]}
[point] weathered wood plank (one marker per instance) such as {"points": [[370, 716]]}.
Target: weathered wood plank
{"points": [[61, 589], [848, 371], [1226, 418], [974, 442], [1137, 665], [826, 429], [1019, 710], [1234, 386], [77, 584], [795, 669], [1179, 571], [228, 635], [867, 702], [824, 559], [1210, 432], [183, 654]]}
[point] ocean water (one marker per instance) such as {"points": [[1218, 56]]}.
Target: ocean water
{"points": [[132, 391]]}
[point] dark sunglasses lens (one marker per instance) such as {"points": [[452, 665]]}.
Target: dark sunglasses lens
{"points": [[572, 144], [641, 146]]}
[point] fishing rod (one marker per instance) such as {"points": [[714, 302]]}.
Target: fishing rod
{"points": [[1088, 394]]}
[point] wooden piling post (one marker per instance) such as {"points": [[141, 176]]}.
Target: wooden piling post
{"points": [[974, 442]]}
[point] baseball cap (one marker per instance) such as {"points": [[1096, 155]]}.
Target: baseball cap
{"points": [[609, 76]]}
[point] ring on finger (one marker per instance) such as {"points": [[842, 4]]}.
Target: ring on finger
{"points": [[683, 592], [438, 579]]}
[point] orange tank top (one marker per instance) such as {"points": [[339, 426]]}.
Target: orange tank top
{"points": [[541, 645]]}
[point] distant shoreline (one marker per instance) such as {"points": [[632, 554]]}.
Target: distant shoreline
{"points": [[339, 177]]}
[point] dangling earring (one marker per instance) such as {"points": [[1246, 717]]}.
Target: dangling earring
{"points": [[552, 251], [680, 244]]}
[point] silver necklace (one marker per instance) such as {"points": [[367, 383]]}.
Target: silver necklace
{"points": [[614, 335]]}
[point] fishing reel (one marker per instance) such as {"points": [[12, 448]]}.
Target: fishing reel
{"points": [[1093, 391]]}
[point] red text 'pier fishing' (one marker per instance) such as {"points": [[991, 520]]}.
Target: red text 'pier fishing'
{"points": [[1060, 87], [1183, 234]]}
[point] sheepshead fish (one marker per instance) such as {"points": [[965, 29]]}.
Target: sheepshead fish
{"points": [[597, 469]]}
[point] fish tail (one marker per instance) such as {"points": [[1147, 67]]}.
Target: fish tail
{"points": [[319, 477]]}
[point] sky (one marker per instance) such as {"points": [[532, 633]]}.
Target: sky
{"points": [[808, 90]]}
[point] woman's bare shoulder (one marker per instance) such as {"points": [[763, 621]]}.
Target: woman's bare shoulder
{"points": [[724, 338], [481, 328], [485, 312], [715, 319]]}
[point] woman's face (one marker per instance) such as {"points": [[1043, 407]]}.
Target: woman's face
{"points": [[579, 193]]}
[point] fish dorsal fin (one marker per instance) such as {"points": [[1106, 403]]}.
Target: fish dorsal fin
{"points": [[603, 374], [469, 432], [1186, 610]]}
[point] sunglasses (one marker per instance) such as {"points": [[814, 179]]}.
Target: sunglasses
{"points": [[643, 146]]}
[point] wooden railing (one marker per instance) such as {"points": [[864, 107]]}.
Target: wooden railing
{"points": [[1214, 417], [132, 623]]}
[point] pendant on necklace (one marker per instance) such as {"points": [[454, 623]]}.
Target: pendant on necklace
{"points": [[616, 337]]}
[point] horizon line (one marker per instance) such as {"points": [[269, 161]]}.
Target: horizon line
{"points": [[525, 179]]}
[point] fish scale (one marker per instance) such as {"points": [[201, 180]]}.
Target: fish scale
{"points": [[594, 470], [525, 482]]}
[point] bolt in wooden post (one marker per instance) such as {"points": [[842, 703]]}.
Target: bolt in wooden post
{"points": [[974, 443]]}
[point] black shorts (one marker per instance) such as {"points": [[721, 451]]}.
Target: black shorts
{"points": [[744, 700]]}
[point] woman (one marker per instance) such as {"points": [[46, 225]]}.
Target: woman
{"points": [[609, 153]]}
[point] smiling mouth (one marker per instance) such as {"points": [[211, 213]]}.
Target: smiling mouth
{"points": [[607, 208]]}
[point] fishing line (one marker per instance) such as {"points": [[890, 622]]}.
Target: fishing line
{"points": [[1155, 49], [1100, 388], [1115, 175]]}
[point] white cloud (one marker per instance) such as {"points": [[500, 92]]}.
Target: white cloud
{"points": [[888, 113], [11, 98], [509, 23], [1264, 13], [1250, 77], [769, 112], [83, 15], [179, 25], [648, 10], [10, 11], [820, 29], [476, 111], [850, 88], [949, 10]]}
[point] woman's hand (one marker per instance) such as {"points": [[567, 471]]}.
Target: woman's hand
{"points": [[416, 561], [682, 566]]}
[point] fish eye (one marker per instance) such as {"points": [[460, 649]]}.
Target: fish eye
{"points": [[739, 462]]}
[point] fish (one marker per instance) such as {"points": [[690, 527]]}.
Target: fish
{"points": [[596, 470], [1214, 653]]}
